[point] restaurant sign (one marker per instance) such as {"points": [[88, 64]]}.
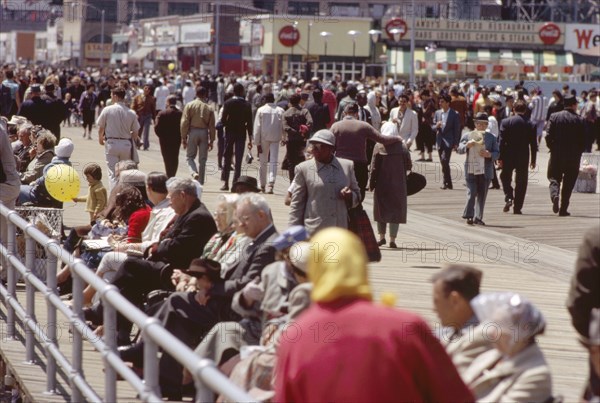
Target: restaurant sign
{"points": [[484, 31]]}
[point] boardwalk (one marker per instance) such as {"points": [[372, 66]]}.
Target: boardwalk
{"points": [[532, 254]]}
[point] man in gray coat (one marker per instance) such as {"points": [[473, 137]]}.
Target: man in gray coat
{"points": [[323, 188]]}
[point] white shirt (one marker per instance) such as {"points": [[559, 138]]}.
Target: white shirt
{"points": [[493, 126], [188, 94], [118, 121], [268, 124], [409, 127], [160, 216], [161, 94]]}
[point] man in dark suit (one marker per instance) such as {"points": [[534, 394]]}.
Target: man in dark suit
{"points": [[318, 111], [505, 111], [566, 142], [237, 120], [168, 130], [518, 137], [446, 125], [181, 242]]}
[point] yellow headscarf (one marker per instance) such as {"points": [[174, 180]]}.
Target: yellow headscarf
{"points": [[338, 266]]}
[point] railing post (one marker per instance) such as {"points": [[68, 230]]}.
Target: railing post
{"points": [[52, 248], [203, 394], [151, 369], [110, 344], [11, 281], [30, 246], [77, 354]]}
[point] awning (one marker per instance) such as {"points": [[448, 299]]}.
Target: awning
{"points": [[480, 61], [141, 53]]}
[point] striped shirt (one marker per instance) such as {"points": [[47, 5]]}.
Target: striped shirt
{"points": [[537, 109]]}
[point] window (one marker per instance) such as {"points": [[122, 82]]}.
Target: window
{"points": [[344, 10], [376, 11], [303, 8], [178, 8], [94, 13], [146, 9]]}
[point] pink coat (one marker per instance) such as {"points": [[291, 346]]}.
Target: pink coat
{"points": [[330, 100]]}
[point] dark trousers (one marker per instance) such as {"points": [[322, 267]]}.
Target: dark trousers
{"points": [[425, 139], [220, 145], [187, 320], [294, 155], [88, 119], [445, 153], [135, 279], [169, 148], [520, 167], [361, 172], [370, 148], [237, 143], [563, 172]]}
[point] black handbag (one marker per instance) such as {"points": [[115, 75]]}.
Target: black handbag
{"points": [[415, 183]]}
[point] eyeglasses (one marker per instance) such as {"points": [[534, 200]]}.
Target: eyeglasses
{"points": [[218, 213], [197, 274], [243, 219]]}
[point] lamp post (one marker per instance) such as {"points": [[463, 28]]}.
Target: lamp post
{"points": [[375, 34], [307, 72], [325, 35], [353, 34], [290, 69], [396, 34], [102, 12]]}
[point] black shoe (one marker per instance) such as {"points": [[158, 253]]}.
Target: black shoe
{"points": [[564, 214], [507, 206], [393, 245], [494, 187], [429, 160], [446, 187], [555, 208], [382, 242], [470, 221], [133, 353], [515, 211], [478, 221], [224, 187]]}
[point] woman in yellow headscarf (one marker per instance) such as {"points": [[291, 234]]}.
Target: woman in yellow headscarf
{"points": [[345, 348]]}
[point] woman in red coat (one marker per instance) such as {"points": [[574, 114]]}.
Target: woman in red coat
{"points": [[133, 211], [345, 348]]}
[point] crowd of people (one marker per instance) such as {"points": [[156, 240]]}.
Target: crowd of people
{"points": [[222, 278]]}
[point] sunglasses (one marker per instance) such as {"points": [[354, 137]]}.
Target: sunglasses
{"points": [[197, 274]]}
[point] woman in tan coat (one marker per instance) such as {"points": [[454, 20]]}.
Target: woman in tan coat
{"points": [[515, 370]]}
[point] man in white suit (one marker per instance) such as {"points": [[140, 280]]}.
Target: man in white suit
{"points": [[268, 132], [406, 119]]}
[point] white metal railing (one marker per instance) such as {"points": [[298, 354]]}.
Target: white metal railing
{"points": [[207, 377]]}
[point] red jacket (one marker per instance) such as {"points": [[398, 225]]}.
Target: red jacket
{"points": [[353, 350]]}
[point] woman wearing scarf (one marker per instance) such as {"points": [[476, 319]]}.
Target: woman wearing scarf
{"points": [[388, 181], [345, 348]]}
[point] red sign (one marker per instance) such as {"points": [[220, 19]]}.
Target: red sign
{"points": [[453, 66], [568, 69], [289, 36], [498, 69], [549, 33], [528, 69], [481, 68], [397, 23], [544, 69]]}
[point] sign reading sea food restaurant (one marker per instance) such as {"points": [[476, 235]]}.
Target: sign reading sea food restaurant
{"points": [[289, 36], [484, 31]]}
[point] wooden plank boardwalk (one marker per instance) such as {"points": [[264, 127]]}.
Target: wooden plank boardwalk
{"points": [[532, 254]]}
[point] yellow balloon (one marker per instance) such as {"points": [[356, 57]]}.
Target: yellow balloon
{"points": [[62, 182], [171, 66], [388, 299]]}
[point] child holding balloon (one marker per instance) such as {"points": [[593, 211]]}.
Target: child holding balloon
{"points": [[97, 195]]}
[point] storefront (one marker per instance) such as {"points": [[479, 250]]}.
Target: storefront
{"points": [[488, 49], [311, 41]]}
